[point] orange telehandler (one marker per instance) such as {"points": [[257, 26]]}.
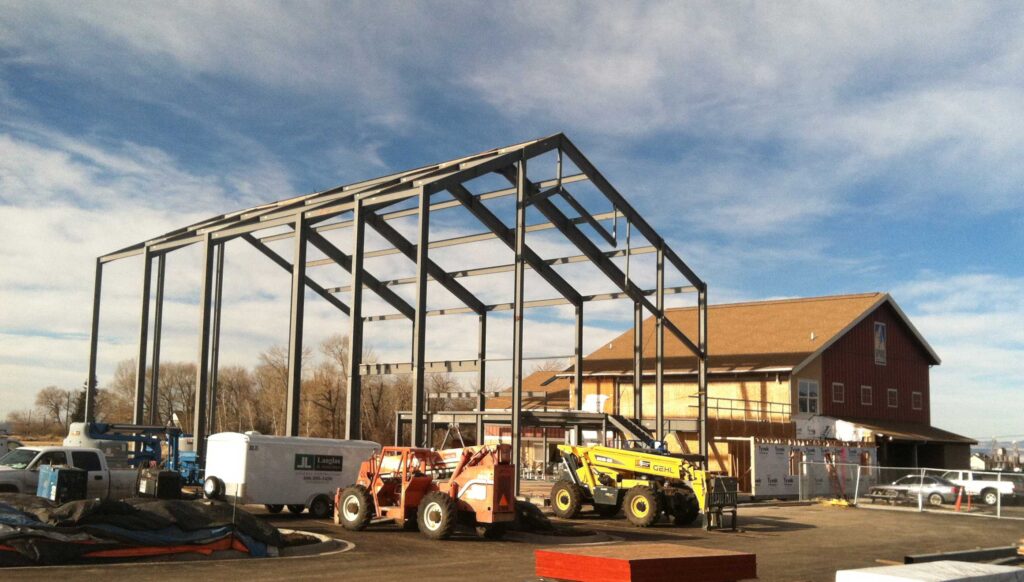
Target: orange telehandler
{"points": [[433, 490]]}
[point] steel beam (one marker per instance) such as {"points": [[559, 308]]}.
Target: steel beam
{"points": [[577, 377], [552, 302], [437, 367], [610, 269], [419, 324], [218, 292], [298, 311], [353, 402], [506, 268], [203, 359], [345, 262], [517, 320], [507, 236], [91, 381], [284, 264], [659, 349], [434, 271], [591, 220], [481, 398], [140, 372], [158, 329], [638, 361], [702, 370]]}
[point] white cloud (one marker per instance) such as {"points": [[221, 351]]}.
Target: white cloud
{"points": [[974, 322]]}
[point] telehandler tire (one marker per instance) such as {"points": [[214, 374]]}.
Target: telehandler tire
{"points": [[355, 509], [566, 499], [643, 506], [437, 515], [685, 508]]}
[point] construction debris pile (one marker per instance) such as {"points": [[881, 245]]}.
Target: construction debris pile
{"points": [[35, 531]]}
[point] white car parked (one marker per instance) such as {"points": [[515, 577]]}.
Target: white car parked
{"points": [[19, 471], [988, 486]]}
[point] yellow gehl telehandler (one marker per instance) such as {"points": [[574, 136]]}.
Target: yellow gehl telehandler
{"points": [[644, 483]]}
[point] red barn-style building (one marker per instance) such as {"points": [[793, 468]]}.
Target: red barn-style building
{"points": [[847, 368]]}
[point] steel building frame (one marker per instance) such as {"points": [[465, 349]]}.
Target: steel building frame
{"points": [[366, 204]]}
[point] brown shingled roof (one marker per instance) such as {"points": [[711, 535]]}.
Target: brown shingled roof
{"points": [[759, 335], [556, 393]]}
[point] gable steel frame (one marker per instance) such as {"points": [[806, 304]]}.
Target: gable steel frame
{"points": [[365, 204]]}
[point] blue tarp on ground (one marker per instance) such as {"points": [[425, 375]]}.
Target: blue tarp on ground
{"points": [[36, 531]]}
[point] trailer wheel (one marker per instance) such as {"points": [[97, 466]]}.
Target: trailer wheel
{"points": [[437, 515], [685, 508], [643, 506], [320, 507], [296, 508], [213, 488], [355, 508], [274, 508], [566, 499]]}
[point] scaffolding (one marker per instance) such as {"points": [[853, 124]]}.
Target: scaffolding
{"points": [[421, 193]]}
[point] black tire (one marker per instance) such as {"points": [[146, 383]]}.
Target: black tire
{"points": [[643, 506], [491, 531], [355, 508], [935, 499], [274, 508], [685, 508], [320, 507], [437, 515], [296, 508], [566, 499], [607, 511], [990, 497], [213, 488]]}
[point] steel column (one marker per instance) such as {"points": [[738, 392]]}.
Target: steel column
{"points": [[481, 398], [203, 363], [353, 403], [702, 369], [218, 292], [419, 323], [91, 381], [158, 324], [659, 350], [295, 329], [140, 373], [638, 361], [517, 321], [577, 377]]}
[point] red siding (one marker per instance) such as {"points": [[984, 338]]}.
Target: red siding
{"points": [[851, 361]]}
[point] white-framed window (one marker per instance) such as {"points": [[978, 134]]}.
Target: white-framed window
{"points": [[880, 340], [838, 392], [916, 400], [892, 398], [807, 396], [865, 395]]}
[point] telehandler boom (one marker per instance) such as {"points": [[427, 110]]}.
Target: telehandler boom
{"points": [[644, 483]]}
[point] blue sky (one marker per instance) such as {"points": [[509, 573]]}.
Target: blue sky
{"points": [[784, 150]]}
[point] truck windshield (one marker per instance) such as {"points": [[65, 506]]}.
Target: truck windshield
{"points": [[18, 459]]}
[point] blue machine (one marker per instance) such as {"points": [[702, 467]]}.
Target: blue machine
{"points": [[149, 442]]}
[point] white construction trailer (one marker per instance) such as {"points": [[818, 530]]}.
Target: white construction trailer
{"points": [[279, 471]]}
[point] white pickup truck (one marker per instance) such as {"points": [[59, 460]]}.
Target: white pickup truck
{"points": [[19, 471], [989, 486]]}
